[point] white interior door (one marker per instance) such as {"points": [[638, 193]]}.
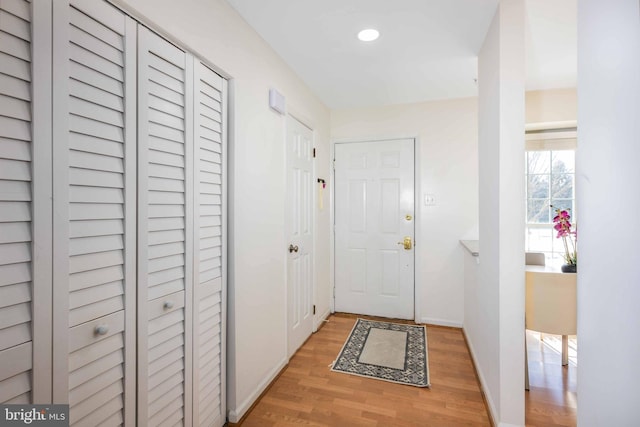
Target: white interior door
{"points": [[209, 327], [94, 196], [300, 233], [165, 208], [374, 196], [16, 205]]}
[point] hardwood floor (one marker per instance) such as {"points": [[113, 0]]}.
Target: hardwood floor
{"points": [[308, 393], [551, 400]]}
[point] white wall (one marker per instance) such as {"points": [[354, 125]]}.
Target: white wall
{"points": [[494, 310], [609, 202], [257, 291], [555, 105], [446, 132]]}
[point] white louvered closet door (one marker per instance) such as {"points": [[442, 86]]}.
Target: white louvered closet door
{"points": [[112, 281], [209, 293], [16, 170], [165, 150], [95, 212]]}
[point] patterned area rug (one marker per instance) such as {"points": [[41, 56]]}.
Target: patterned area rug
{"points": [[386, 351]]}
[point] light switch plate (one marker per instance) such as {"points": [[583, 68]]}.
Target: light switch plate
{"points": [[429, 199]]}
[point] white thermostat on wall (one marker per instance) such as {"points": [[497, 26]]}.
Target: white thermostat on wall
{"points": [[276, 101]]}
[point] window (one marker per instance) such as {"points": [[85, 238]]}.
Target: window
{"points": [[550, 181]]}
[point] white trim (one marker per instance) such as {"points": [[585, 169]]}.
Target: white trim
{"points": [[483, 382], [60, 251], [567, 124], [285, 230], [41, 205], [195, 247], [236, 414], [223, 262], [416, 215], [287, 117], [439, 322], [321, 318], [332, 227], [189, 273], [142, 238], [374, 138], [314, 231], [308, 123], [305, 121], [131, 218]]}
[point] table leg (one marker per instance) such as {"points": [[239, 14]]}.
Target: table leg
{"points": [[565, 350]]}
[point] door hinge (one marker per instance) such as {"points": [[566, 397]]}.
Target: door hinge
{"points": [[314, 309], [314, 153]]}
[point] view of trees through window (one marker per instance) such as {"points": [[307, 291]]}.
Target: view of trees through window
{"points": [[550, 182]]}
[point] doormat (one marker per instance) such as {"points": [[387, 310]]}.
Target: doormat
{"points": [[386, 351]]}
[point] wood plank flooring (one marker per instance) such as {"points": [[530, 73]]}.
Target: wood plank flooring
{"points": [[552, 398], [308, 393]]}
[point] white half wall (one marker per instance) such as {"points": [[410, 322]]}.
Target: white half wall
{"points": [[609, 202], [494, 311], [257, 345], [446, 134]]}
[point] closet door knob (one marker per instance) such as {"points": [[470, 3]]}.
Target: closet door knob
{"points": [[168, 305], [102, 329]]}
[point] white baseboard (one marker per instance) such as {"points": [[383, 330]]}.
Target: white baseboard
{"points": [[236, 414], [440, 322], [483, 382], [319, 319]]}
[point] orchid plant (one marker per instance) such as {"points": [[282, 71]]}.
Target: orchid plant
{"points": [[562, 224]]}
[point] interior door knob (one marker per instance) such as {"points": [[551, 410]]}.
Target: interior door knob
{"points": [[102, 329], [293, 248], [407, 243]]}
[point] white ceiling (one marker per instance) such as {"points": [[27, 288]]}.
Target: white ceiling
{"points": [[427, 48]]}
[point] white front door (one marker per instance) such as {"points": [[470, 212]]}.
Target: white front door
{"points": [[374, 217], [300, 233]]}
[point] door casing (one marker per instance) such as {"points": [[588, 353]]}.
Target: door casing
{"points": [[292, 120], [417, 214]]}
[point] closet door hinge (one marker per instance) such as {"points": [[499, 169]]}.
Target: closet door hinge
{"points": [[314, 309], [314, 153]]}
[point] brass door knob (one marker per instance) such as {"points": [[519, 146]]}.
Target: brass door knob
{"points": [[407, 243]]}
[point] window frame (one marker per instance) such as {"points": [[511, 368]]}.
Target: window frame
{"points": [[549, 137]]}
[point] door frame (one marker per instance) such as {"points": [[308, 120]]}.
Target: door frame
{"points": [[417, 276], [292, 113]]}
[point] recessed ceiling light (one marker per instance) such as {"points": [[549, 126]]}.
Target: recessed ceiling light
{"points": [[368, 35]]}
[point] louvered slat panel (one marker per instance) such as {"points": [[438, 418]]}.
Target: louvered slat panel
{"points": [[98, 186], [96, 364], [209, 125], [16, 170], [109, 413], [163, 230]]}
